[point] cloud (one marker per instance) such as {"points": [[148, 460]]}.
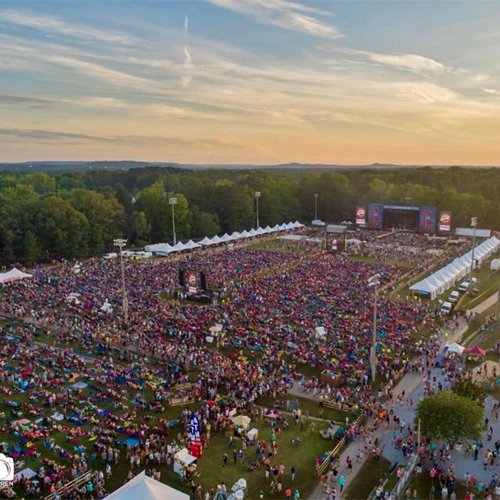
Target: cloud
{"points": [[97, 71], [285, 14], [46, 135], [410, 62], [42, 135], [492, 91], [425, 93], [53, 25], [188, 60], [32, 101]]}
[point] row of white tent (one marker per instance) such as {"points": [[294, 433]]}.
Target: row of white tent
{"points": [[165, 248], [447, 277]]}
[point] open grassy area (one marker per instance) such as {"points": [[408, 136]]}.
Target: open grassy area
{"points": [[210, 466], [371, 474]]}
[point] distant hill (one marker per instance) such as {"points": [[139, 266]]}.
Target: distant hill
{"points": [[60, 166]]}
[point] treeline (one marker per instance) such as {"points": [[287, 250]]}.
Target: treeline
{"points": [[77, 214]]}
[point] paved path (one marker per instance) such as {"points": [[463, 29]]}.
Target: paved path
{"points": [[412, 385], [486, 304]]}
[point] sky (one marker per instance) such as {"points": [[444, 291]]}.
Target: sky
{"points": [[251, 81]]}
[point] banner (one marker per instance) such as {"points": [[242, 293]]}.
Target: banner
{"points": [[360, 216], [444, 222], [334, 244], [194, 428]]}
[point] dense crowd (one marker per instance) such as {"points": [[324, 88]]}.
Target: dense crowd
{"points": [[278, 301]]}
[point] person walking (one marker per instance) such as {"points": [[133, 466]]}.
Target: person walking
{"points": [[293, 471], [341, 483]]}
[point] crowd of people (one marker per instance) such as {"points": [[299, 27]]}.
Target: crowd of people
{"points": [[267, 329]]}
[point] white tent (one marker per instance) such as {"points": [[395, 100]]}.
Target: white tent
{"points": [[252, 232], [205, 241], [164, 249], [216, 240], [456, 348], [275, 228], [183, 459], [225, 238], [259, 231], [290, 225], [13, 275], [191, 245], [244, 234], [179, 247], [268, 230], [297, 224], [495, 265], [425, 288], [235, 235], [143, 487], [283, 227], [153, 248]]}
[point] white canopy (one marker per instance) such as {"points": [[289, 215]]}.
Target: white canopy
{"points": [[252, 232], [191, 245], [205, 241], [178, 247], [235, 235], [184, 457], [13, 275], [275, 228], [268, 230], [297, 224], [225, 238], [259, 231], [283, 227], [216, 240], [244, 234], [143, 487], [456, 348], [164, 249]]}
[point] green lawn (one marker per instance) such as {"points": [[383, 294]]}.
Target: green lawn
{"points": [[210, 466], [371, 474]]}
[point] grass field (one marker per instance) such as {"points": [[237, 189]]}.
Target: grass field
{"points": [[210, 466]]}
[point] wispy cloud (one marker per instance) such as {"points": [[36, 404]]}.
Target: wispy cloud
{"points": [[285, 14], [492, 91], [43, 135], [410, 62], [188, 60], [53, 25]]}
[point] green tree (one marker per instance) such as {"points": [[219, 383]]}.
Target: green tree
{"points": [[105, 217], [60, 229], [204, 224], [448, 416], [470, 389], [138, 228]]}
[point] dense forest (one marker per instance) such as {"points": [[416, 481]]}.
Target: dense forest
{"points": [[78, 213]]}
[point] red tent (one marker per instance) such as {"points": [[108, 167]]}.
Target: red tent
{"points": [[476, 351]]}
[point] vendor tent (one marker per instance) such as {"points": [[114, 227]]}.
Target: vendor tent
{"points": [[13, 275], [241, 420], [205, 241], [191, 245], [456, 348], [143, 487], [425, 288], [476, 351]]}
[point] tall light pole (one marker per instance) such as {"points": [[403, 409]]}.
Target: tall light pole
{"points": [[257, 196], [120, 243], [173, 202], [316, 195], [473, 223], [374, 282]]}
